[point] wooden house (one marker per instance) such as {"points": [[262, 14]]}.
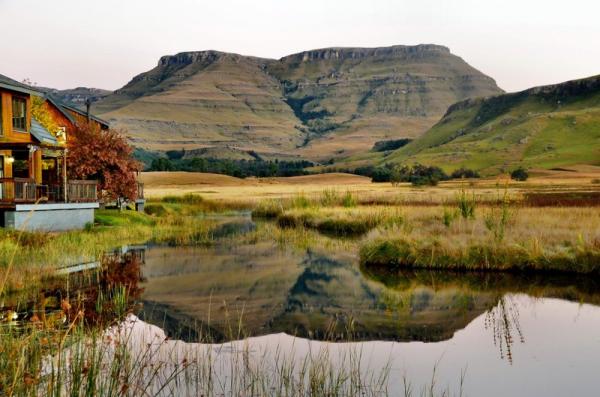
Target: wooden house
{"points": [[34, 190]]}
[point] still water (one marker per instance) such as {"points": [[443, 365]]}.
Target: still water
{"points": [[510, 335]]}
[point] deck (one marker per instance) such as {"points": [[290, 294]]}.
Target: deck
{"points": [[15, 191]]}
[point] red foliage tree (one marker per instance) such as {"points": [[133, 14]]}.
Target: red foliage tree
{"points": [[103, 155]]}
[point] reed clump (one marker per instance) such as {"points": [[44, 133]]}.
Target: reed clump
{"points": [[407, 252], [341, 221]]}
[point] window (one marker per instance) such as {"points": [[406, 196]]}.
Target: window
{"points": [[19, 116], [1, 130]]}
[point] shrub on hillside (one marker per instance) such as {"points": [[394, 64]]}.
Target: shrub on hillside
{"points": [[520, 174], [392, 144], [464, 173], [418, 175], [381, 174]]}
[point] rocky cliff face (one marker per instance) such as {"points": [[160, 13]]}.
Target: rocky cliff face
{"points": [[318, 104]]}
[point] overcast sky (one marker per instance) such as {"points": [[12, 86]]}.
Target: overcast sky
{"points": [[68, 43]]}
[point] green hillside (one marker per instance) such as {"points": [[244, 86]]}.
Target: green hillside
{"points": [[317, 104], [544, 127]]}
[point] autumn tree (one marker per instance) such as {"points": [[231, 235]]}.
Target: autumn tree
{"points": [[103, 155]]}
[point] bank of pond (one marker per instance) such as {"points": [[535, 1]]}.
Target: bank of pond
{"points": [[300, 296]]}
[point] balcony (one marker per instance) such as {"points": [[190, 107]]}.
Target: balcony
{"points": [[26, 191]]}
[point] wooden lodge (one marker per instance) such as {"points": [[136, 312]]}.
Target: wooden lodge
{"points": [[35, 192]]}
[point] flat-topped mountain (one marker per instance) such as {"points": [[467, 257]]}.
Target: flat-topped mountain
{"points": [[549, 126], [317, 104]]}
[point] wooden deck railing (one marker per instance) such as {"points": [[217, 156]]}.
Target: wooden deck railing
{"points": [[17, 190], [82, 191], [23, 190]]}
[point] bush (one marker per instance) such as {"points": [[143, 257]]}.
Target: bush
{"points": [[393, 144], [381, 174], [418, 175], [464, 173], [520, 174]]}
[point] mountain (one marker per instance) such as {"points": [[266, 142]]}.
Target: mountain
{"points": [[546, 127], [317, 104], [77, 96]]}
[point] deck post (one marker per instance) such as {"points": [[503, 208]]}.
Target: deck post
{"points": [[64, 169]]}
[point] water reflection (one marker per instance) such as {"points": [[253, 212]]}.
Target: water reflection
{"points": [[228, 292], [510, 331]]}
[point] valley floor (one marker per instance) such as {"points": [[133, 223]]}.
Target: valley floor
{"points": [[222, 187]]}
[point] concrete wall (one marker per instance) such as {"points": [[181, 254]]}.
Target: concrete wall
{"points": [[50, 217]]}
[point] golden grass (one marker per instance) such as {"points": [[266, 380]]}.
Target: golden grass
{"points": [[253, 190]]}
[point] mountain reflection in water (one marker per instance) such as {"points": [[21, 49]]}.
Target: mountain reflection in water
{"points": [[517, 335], [228, 292]]}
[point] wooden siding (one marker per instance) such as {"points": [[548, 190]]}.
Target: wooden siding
{"points": [[83, 119], [59, 118], [9, 135]]}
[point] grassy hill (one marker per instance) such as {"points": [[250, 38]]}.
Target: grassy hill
{"points": [[317, 104], [545, 127]]}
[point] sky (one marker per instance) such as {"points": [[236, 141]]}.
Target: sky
{"points": [[103, 44]]}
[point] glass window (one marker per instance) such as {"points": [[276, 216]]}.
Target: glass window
{"points": [[19, 116]]}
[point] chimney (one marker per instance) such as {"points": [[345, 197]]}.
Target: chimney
{"points": [[88, 104]]}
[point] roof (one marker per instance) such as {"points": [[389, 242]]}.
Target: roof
{"points": [[14, 85], [61, 108], [42, 134], [84, 113]]}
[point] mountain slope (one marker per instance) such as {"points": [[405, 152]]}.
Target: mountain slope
{"points": [[546, 127], [369, 94], [317, 104], [77, 96], [204, 99]]}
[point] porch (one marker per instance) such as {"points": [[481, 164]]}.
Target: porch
{"points": [[26, 191]]}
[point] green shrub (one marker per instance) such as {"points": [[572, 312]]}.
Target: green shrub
{"points": [[464, 173], [418, 175], [520, 174]]}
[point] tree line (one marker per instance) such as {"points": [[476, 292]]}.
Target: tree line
{"points": [[237, 168]]}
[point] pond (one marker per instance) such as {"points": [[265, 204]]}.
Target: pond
{"points": [[496, 334]]}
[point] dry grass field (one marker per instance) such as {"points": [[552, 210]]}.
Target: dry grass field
{"points": [[222, 187]]}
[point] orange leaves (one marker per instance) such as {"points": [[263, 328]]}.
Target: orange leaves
{"points": [[103, 155]]}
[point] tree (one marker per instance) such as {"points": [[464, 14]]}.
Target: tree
{"points": [[40, 112], [162, 164], [520, 174], [418, 175], [103, 155]]}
